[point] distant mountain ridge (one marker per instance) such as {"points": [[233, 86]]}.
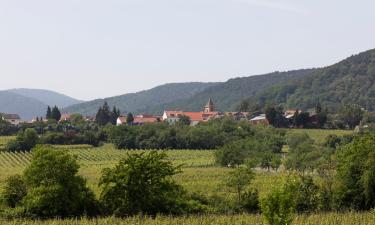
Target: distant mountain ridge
{"points": [[227, 95], [47, 97], [140, 101], [190, 96], [351, 81], [30, 103]]}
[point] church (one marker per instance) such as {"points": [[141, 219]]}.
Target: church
{"points": [[195, 117]]}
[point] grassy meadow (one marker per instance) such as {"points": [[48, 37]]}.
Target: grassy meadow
{"points": [[199, 174]]}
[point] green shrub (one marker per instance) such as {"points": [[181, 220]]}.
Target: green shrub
{"points": [[14, 191], [142, 183], [279, 206], [54, 188]]}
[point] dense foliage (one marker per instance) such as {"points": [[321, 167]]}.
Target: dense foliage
{"points": [[355, 174], [347, 82], [142, 183], [25, 141], [210, 135], [50, 187]]}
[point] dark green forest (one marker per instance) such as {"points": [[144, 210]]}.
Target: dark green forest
{"points": [[349, 82]]}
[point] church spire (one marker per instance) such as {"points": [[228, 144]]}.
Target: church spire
{"points": [[209, 106]]}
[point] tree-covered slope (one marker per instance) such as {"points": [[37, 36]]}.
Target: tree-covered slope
{"points": [[227, 95], [140, 101], [351, 81]]}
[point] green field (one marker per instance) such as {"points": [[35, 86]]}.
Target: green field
{"points": [[319, 135], [200, 174]]}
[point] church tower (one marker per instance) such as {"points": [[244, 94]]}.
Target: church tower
{"points": [[209, 106]]}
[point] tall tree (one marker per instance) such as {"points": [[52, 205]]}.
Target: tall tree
{"points": [[114, 115], [49, 113], [55, 114], [275, 116], [130, 118], [104, 115], [351, 115]]}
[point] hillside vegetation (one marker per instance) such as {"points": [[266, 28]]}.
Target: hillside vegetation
{"points": [[227, 95], [351, 81], [140, 101]]}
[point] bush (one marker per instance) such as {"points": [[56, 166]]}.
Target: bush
{"points": [[25, 141], [142, 183], [279, 206], [14, 191], [250, 201], [355, 174], [54, 188]]}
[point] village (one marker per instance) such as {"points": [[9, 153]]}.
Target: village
{"points": [[172, 116]]}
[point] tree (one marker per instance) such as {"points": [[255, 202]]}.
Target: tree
{"points": [[302, 119], [14, 191], [184, 120], [115, 114], [303, 154], [244, 106], [355, 174], [279, 206], [275, 116], [266, 160], [238, 179], [275, 162], [54, 188], [49, 113], [104, 115], [130, 118], [141, 183], [55, 114], [24, 141], [351, 115]]}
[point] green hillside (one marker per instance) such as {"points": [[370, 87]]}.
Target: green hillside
{"points": [[138, 102], [227, 95], [351, 81]]}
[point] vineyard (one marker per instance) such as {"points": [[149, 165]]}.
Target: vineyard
{"points": [[199, 174]]}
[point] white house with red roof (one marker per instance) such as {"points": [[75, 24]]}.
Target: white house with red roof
{"points": [[139, 119]]}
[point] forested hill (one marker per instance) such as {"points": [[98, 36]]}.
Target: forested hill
{"points": [[47, 97], [138, 102], [351, 81], [227, 95], [31, 103]]}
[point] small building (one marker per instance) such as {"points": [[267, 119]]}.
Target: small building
{"points": [[65, 117], [139, 119], [260, 120], [237, 115], [14, 119]]}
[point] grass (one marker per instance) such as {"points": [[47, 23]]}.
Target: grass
{"points": [[4, 140], [349, 218], [319, 135]]}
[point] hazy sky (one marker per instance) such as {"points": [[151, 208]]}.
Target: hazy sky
{"points": [[89, 48]]}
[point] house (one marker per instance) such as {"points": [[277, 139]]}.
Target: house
{"points": [[289, 114], [65, 117], [14, 119], [260, 120], [195, 117], [237, 115], [139, 119]]}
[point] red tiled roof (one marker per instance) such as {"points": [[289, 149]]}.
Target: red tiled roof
{"points": [[194, 116]]}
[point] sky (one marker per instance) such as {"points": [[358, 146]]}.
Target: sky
{"points": [[91, 49]]}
